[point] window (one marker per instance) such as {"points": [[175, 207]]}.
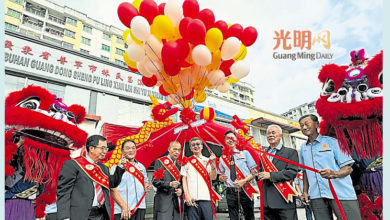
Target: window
{"points": [[92, 103], [105, 47], [20, 2], [105, 58], [67, 45], [87, 29], [84, 51], [119, 51], [106, 36], [86, 41], [11, 27], [13, 83], [13, 13], [71, 21], [119, 40], [70, 33], [119, 62]]}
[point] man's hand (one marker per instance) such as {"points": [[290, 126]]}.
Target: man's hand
{"points": [[148, 187], [223, 178], [305, 198], [122, 161], [328, 173], [212, 157], [174, 184], [126, 212], [178, 192], [264, 175], [240, 183], [189, 200]]}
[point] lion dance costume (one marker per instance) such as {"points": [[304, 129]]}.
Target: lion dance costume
{"points": [[351, 107], [40, 132]]}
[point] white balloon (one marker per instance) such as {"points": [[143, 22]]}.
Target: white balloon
{"points": [[224, 87], [230, 48], [152, 66], [173, 99], [153, 47], [216, 77], [140, 28], [142, 69], [135, 52], [201, 55], [129, 39], [174, 10], [239, 69]]}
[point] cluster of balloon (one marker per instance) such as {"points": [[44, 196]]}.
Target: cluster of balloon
{"points": [[183, 50]]}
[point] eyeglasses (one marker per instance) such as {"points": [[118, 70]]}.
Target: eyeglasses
{"points": [[103, 148], [194, 144]]}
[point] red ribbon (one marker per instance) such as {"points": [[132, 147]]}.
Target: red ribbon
{"points": [[304, 167], [138, 204]]}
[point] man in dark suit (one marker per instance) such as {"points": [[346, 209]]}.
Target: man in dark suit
{"points": [[275, 206], [83, 184], [166, 200]]}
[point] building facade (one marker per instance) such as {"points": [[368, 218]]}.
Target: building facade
{"points": [[299, 111], [240, 92]]}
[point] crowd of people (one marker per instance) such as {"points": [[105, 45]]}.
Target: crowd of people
{"points": [[185, 190]]}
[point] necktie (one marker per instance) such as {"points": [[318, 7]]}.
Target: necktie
{"points": [[99, 193], [233, 174]]}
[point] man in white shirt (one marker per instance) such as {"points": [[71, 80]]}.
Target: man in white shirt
{"points": [[197, 175]]}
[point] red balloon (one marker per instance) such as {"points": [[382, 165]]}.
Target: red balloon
{"points": [[126, 12], [183, 26], [169, 53], [223, 27], [190, 8], [189, 96], [132, 69], [249, 36], [162, 91], [184, 49], [149, 10], [172, 69], [208, 18], [235, 31], [149, 82], [196, 32], [161, 8], [225, 67]]}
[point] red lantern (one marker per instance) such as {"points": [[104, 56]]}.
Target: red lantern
{"points": [[162, 91], [225, 67], [126, 12], [223, 27], [249, 36], [196, 32], [235, 31], [149, 10], [149, 82], [190, 8], [207, 114], [208, 18]]}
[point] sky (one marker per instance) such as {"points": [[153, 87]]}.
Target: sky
{"points": [[281, 84]]}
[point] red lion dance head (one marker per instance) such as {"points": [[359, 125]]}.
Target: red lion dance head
{"points": [[40, 132], [351, 104]]}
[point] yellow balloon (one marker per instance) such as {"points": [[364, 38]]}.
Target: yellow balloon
{"points": [[231, 80], [213, 39], [187, 103], [200, 96], [242, 54], [129, 62], [162, 27], [176, 34], [135, 39], [215, 61], [125, 34], [137, 3]]}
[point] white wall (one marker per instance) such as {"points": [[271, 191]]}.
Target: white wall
{"points": [[75, 95]]}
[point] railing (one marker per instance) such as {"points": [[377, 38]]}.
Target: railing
{"points": [[54, 32], [35, 11], [55, 19], [32, 24]]}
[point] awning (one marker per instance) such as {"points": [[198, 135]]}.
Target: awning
{"points": [[264, 122]]}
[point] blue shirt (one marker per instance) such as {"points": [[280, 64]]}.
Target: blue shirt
{"points": [[273, 151], [325, 153], [135, 189], [51, 208], [243, 160]]}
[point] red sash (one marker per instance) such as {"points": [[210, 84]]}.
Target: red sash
{"points": [[93, 171], [285, 189], [133, 170], [248, 188], [205, 175], [171, 167]]}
